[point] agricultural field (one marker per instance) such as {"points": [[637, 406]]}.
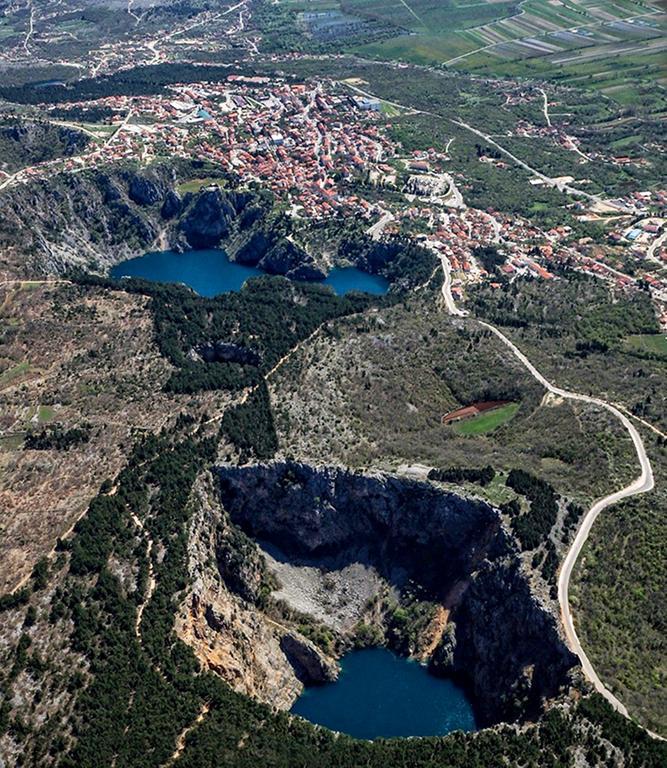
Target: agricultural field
{"points": [[420, 15], [487, 422], [614, 46], [609, 46]]}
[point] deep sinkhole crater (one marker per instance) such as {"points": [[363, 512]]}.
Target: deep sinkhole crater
{"points": [[497, 639]]}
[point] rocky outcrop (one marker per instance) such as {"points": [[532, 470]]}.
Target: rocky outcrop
{"points": [[209, 219], [286, 258], [253, 250], [227, 352], [145, 191], [221, 621], [307, 271], [310, 665], [239, 563], [277, 255], [171, 206], [501, 640]]}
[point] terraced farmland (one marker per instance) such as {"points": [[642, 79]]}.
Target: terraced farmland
{"points": [[607, 43], [433, 15], [603, 45]]}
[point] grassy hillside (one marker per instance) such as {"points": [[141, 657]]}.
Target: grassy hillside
{"points": [[374, 393]]}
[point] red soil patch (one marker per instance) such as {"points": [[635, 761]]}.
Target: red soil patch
{"points": [[468, 411]]}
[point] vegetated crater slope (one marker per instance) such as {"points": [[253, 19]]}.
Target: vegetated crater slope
{"points": [[497, 636], [27, 142], [99, 217]]}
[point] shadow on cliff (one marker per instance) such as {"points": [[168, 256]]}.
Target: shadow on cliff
{"points": [[501, 641]]}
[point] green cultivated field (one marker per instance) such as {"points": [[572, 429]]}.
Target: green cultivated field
{"points": [[650, 343], [615, 46], [420, 15], [487, 422], [419, 49]]}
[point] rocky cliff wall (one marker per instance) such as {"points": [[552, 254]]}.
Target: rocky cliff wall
{"points": [[94, 219], [221, 621], [501, 640]]}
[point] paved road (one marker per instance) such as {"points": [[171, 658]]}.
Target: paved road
{"points": [[642, 484], [657, 243], [455, 194], [447, 288], [375, 231]]}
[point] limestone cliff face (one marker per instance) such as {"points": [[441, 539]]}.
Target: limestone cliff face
{"points": [[210, 217], [90, 220], [221, 622], [402, 526], [309, 664], [276, 254], [94, 219], [505, 642], [237, 643], [501, 640]]}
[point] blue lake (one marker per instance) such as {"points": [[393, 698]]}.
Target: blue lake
{"points": [[210, 272], [380, 694]]}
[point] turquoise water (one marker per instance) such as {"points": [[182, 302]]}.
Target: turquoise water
{"points": [[344, 279], [380, 694], [210, 272], [206, 272]]}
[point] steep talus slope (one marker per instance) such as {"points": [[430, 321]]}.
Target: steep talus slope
{"points": [[501, 640]]}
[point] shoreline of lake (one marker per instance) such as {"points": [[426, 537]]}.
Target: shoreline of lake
{"points": [[211, 272]]}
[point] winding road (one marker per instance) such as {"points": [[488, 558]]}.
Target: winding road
{"points": [[447, 288], [642, 484]]}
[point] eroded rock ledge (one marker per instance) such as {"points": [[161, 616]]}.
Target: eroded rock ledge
{"points": [[221, 617], [493, 632]]}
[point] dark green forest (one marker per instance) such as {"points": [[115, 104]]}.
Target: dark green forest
{"points": [[139, 81], [269, 316]]}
